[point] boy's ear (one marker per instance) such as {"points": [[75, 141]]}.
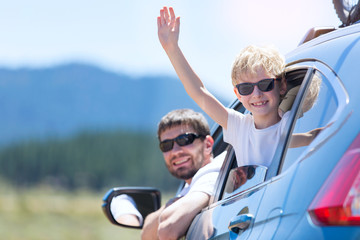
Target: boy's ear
{"points": [[237, 94]]}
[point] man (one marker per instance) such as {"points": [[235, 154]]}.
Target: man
{"points": [[186, 144]]}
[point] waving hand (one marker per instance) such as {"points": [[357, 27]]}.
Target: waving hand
{"points": [[168, 27]]}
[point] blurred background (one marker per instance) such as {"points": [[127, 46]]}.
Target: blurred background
{"points": [[83, 85]]}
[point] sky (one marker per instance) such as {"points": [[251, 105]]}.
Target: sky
{"points": [[121, 35]]}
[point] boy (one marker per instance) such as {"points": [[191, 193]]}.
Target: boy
{"points": [[257, 84]]}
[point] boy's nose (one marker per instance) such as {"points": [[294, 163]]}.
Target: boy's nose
{"points": [[257, 91]]}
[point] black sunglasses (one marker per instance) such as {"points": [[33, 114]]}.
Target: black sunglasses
{"points": [[181, 140], [264, 85]]}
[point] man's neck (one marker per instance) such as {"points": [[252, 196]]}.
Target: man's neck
{"points": [[206, 162]]}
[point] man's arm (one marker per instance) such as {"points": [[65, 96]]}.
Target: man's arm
{"points": [[168, 32], [176, 218], [151, 224]]}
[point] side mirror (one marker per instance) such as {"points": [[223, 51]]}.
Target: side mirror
{"points": [[128, 207]]}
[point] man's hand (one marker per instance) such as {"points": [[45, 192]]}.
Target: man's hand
{"points": [[151, 224], [168, 28]]}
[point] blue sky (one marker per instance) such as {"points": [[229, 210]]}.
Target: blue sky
{"points": [[121, 35]]}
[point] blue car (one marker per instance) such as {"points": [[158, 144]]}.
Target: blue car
{"points": [[310, 191], [312, 188]]}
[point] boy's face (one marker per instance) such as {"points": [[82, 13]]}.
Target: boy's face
{"points": [[184, 161], [263, 105]]}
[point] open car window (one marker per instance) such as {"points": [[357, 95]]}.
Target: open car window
{"points": [[312, 102], [317, 107], [318, 116], [217, 132]]}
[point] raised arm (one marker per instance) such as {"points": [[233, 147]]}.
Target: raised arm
{"points": [[168, 32]]}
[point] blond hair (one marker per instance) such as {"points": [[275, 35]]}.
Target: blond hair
{"points": [[312, 93], [253, 59]]}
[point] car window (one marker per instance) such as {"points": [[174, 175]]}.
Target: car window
{"points": [[219, 147], [217, 133], [234, 179], [317, 107]]}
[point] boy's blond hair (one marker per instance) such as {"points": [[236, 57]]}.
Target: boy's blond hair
{"points": [[313, 93], [253, 59]]}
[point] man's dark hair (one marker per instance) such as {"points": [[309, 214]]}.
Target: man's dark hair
{"points": [[184, 117]]}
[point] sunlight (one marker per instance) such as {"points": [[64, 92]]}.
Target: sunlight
{"points": [[269, 22]]}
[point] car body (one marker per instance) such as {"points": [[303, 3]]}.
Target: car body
{"points": [[308, 192], [311, 192]]}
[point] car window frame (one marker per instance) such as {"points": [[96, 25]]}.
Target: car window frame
{"points": [[308, 65], [280, 152], [230, 156], [219, 147], [342, 97]]}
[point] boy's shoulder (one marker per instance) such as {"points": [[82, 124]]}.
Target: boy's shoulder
{"points": [[238, 115]]}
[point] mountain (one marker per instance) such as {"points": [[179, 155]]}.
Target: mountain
{"points": [[64, 100]]}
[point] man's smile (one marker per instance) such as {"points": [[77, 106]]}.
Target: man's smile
{"points": [[181, 161]]}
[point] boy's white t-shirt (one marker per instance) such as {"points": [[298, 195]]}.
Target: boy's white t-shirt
{"points": [[205, 178], [252, 146]]}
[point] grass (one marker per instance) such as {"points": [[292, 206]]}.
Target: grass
{"points": [[46, 214]]}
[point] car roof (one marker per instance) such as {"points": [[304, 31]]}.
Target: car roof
{"points": [[339, 50], [322, 39]]}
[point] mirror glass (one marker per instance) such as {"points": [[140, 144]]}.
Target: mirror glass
{"points": [[129, 206], [124, 210], [242, 178]]}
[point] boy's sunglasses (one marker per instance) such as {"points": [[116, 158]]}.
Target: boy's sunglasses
{"points": [[181, 140], [264, 85]]}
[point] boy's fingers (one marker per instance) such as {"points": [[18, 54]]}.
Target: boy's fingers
{"points": [[177, 24], [166, 12], [172, 15], [159, 21], [167, 16], [162, 20]]}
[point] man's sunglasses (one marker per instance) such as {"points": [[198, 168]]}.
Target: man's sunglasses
{"points": [[181, 140], [264, 85]]}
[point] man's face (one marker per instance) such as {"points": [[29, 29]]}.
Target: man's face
{"points": [[183, 162]]}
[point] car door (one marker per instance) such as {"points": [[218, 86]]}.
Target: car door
{"points": [[236, 201], [318, 106], [236, 206]]}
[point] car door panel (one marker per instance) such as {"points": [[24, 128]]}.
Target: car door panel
{"points": [[223, 212], [272, 211], [214, 222]]}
